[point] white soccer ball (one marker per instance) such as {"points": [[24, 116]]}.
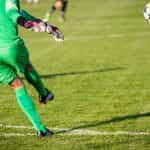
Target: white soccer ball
{"points": [[147, 12]]}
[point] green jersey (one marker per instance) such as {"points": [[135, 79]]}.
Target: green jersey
{"points": [[9, 13]]}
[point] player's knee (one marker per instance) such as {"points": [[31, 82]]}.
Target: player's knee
{"points": [[58, 4], [16, 83]]}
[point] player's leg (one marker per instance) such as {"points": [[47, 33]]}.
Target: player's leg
{"points": [[33, 78], [32, 75], [49, 13], [26, 104], [18, 57], [28, 107], [8, 76], [63, 9], [56, 5]]}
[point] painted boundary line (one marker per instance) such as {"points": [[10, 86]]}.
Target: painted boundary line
{"points": [[67, 131]]}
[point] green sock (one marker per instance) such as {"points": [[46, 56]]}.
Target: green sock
{"points": [[28, 107], [33, 77]]}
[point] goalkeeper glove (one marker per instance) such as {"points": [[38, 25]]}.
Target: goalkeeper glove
{"points": [[36, 26], [57, 34], [40, 26]]}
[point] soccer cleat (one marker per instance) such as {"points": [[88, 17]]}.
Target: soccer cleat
{"points": [[45, 99], [46, 133]]}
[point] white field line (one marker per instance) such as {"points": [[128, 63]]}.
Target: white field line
{"points": [[67, 131]]}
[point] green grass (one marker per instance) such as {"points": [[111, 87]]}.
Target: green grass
{"points": [[100, 76]]}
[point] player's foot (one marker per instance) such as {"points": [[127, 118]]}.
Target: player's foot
{"points": [[46, 133], [44, 99]]}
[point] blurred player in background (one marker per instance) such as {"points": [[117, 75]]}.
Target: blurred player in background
{"points": [[14, 58], [59, 4], [32, 1]]}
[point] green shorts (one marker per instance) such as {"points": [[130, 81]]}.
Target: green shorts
{"points": [[13, 59]]}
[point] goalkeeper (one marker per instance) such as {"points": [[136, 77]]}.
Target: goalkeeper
{"points": [[14, 58]]}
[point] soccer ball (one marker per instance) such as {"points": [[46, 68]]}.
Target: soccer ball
{"points": [[147, 12]]}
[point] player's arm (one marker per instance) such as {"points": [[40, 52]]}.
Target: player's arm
{"points": [[39, 26], [26, 15], [29, 22], [65, 3], [13, 11], [22, 17]]}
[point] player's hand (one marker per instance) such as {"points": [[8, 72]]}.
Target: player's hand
{"points": [[36, 26], [57, 34]]}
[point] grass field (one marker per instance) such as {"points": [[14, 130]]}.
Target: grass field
{"points": [[100, 76]]}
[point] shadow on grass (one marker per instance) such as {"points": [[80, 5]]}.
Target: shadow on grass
{"points": [[81, 72], [113, 120]]}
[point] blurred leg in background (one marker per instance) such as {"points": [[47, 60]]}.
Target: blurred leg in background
{"points": [[60, 5]]}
